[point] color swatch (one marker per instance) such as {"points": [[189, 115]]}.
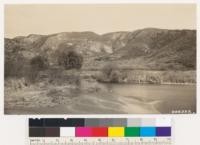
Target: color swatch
{"points": [[132, 131], [99, 127], [115, 131], [148, 131]]}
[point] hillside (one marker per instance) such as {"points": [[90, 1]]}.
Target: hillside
{"points": [[144, 71], [150, 48]]}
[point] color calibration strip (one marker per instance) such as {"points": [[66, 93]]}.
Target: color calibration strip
{"points": [[100, 127]]}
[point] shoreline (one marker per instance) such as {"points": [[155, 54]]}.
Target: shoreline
{"points": [[130, 83]]}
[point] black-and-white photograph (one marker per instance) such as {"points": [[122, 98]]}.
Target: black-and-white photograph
{"points": [[100, 59]]}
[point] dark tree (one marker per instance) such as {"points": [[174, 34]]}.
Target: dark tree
{"points": [[14, 66], [70, 60], [39, 63]]}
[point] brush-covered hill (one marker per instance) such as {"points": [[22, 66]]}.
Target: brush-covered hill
{"points": [[150, 48]]}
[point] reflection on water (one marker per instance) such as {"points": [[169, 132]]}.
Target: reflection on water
{"points": [[168, 98]]}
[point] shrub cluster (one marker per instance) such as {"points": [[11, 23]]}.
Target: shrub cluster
{"points": [[70, 60]]}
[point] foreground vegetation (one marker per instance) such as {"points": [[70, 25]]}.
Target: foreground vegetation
{"points": [[35, 84], [113, 74], [80, 91]]}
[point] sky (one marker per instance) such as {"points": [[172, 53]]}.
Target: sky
{"points": [[22, 20]]}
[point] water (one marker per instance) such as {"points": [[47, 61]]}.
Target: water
{"points": [[165, 98], [100, 98]]}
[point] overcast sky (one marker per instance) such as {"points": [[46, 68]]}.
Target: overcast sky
{"points": [[22, 20]]}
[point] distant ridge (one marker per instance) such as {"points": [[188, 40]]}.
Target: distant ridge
{"points": [[151, 48]]}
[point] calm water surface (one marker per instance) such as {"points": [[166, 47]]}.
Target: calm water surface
{"points": [[169, 98]]}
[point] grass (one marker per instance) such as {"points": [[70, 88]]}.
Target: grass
{"points": [[151, 77], [86, 94]]}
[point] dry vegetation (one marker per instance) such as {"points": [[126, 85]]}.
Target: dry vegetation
{"points": [[72, 68], [113, 74]]}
